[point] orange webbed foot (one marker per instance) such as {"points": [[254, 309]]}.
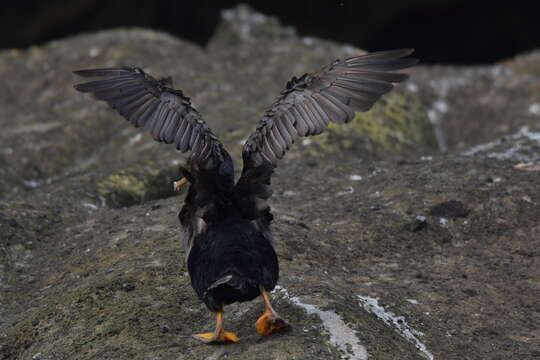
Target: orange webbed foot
{"points": [[219, 336], [269, 323], [213, 338]]}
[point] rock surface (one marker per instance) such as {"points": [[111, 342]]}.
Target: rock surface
{"points": [[386, 252]]}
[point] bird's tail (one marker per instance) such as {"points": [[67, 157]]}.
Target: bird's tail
{"points": [[231, 280]]}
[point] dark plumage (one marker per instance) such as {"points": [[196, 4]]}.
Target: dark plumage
{"points": [[229, 263], [226, 226]]}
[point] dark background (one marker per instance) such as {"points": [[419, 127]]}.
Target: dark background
{"points": [[442, 31]]}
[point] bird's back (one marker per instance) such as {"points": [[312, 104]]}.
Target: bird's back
{"points": [[230, 260]]}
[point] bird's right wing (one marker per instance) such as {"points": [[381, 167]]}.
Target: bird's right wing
{"points": [[167, 114], [152, 105]]}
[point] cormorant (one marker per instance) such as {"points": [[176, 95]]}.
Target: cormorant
{"points": [[226, 225]]}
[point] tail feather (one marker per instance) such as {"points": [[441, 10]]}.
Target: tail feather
{"points": [[220, 281], [232, 287]]}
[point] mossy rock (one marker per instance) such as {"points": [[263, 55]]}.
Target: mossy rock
{"points": [[397, 123], [135, 186]]}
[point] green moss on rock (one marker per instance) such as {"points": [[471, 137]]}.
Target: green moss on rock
{"points": [[134, 186], [396, 123]]}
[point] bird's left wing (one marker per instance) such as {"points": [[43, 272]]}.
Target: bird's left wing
{"points": [[154, 106], [308, 104], [333, 94]]}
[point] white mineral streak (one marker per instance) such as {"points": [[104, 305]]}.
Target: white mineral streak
{"points": [[397, 322], [518, 152], [341, 335]]}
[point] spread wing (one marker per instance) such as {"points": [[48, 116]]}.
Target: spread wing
{"points": [[167, 114], [332, 94], [152, 105], [308, 104]]}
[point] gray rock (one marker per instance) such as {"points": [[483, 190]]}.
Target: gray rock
{"points": [[474, 105], [110, 283]]}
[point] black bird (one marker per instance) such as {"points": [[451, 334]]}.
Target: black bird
{"points": [[226, 225]]}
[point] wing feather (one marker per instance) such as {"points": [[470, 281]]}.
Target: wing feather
{"points": [[278, 146], [321, 114], [170, 128], [284, 133], [333, 94], [184, 140], [288, 123], [152, 105]]}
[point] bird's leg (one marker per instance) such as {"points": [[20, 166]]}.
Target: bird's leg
{"points": [[270, 321], [219, 335], [178, 184]]}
